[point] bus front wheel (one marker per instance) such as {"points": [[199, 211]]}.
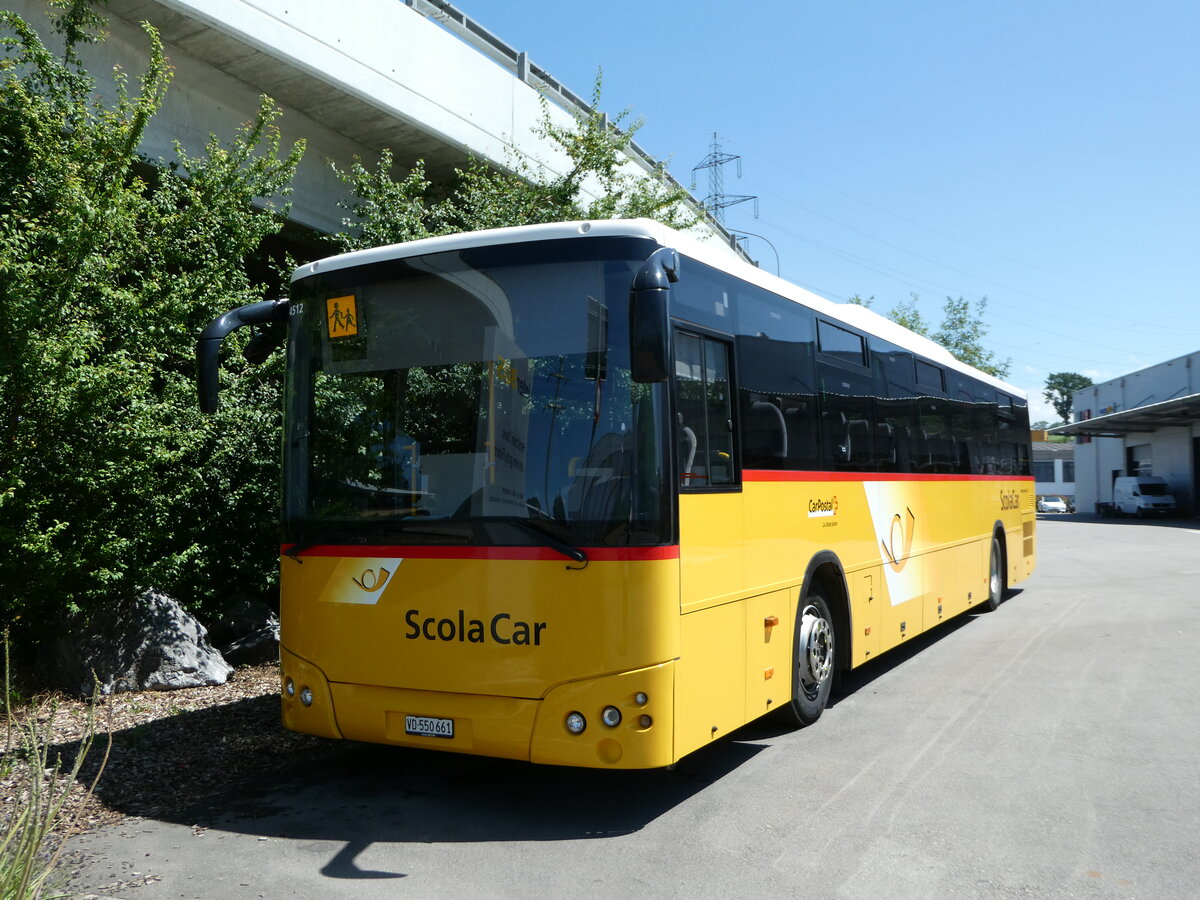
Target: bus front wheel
{"points": [[813, 656]]}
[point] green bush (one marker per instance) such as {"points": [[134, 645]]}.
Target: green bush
{"points": [[110, 478], [595, 184]]}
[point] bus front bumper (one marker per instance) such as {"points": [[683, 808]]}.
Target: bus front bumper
{"points": [[638, 735]]}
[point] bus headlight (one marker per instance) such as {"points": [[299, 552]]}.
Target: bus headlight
{"points": [[576, 722], [611, 716], [306, 696], [289, 687]]}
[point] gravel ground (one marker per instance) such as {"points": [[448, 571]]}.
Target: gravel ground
{"points": [[169, 750]]}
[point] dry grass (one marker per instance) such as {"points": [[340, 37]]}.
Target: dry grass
{"points": [[170, 749]]}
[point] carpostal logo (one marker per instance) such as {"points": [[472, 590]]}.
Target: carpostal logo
{"points": [[820, 508]]}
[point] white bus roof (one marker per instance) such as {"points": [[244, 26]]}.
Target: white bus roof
{"points": [[712, 253]]}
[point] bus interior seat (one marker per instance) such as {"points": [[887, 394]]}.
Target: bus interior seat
{"points": [[687, 445], [908, 451], [943, 454], [599, 482], [765, 433], [858, 433], [885, 441], [836, 435], [804, 441]]}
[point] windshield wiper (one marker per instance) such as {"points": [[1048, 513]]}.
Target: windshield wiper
{"points": [[345, 536], [545, 538]]}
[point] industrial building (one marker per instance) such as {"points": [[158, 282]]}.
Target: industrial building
{"points": [[1143, 423]]}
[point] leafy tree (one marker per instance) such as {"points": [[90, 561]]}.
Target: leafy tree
{"points": [[1060, 388], [962, 331], [110, 479], [386, 210], [907, 314]]}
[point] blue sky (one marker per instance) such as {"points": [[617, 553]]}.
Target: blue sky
{"points": [[1044, 155]]}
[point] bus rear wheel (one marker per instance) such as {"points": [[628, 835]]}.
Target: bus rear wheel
{"points": [[995, 576], [813, 661]]}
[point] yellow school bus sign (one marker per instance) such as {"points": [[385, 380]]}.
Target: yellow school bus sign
{"points": [[341, 315]]}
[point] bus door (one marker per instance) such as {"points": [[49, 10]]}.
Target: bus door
{"points": [[710, 509], [710, 683]]}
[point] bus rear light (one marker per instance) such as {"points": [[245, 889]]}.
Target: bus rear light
{"points": [[306, 696], [576, 723], [611, 716]]}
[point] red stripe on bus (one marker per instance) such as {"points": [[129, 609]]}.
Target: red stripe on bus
{"points": [[594, 554], [768, 475]]}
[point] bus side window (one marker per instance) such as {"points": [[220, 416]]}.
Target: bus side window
{"points": [[704, 412]]}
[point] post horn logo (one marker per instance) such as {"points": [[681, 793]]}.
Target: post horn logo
{"points": [[372, 583], [900, 538]]}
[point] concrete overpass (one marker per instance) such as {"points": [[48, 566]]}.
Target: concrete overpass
{"points": [[353, 77]]}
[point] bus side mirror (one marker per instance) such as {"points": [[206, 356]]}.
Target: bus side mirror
{"points": [[208, 349], [649, 318]]}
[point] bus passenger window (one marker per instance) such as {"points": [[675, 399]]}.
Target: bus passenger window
{"points": [[704, 412]]}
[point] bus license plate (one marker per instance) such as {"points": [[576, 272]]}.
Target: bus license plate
{"points": [[427, 726]]}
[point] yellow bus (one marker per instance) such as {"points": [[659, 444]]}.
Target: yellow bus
{"points": [[600, 493]]}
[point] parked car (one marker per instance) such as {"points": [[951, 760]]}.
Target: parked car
{"points": [[1050, 503]]}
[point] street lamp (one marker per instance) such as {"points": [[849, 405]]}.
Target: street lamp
{"points": [[739, 233]]}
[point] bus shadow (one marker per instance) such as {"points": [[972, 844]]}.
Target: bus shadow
{"points": [[1147, 522], [372, 793], [856, 679], [849, 683], [361, 794]]}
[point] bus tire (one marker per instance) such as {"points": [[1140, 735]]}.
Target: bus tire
{"points": [[995, 576], [813, 657]]}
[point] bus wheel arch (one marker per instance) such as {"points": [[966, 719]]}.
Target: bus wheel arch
{"points": [[820, 640]]}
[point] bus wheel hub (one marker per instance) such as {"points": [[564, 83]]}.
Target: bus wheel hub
{"points": [[816, 647]]}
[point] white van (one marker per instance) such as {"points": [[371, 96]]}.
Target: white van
{"points": [[1143, 495]]}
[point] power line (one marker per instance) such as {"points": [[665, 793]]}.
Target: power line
{"points": [[1090, 311], [965, 243]]}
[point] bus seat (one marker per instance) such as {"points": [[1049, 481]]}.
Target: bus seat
{"points": [[765, 433], [600, 481], [859, 438], [836, 434], [688, 446], [885, 441], [804, 437]]}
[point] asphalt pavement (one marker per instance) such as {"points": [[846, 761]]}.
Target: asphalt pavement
{"points": [[1048, 749]]}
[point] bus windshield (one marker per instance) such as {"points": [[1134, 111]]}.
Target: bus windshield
{"points": [[478, 396]]}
